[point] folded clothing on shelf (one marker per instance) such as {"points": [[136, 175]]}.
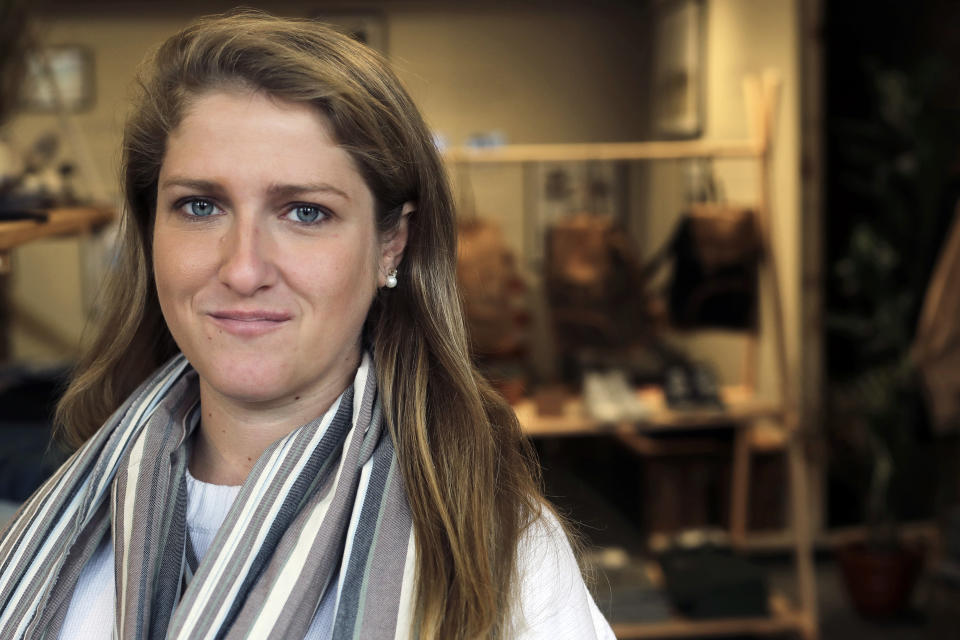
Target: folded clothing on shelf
{"points": [[624, 591], [712, 582], [632, 603], [608, 397]]}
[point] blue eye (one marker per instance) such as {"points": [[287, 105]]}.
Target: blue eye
{"points": [[306, 213], [201, 208]]}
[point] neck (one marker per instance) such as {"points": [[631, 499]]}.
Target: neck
{"points": [[233, 434]]}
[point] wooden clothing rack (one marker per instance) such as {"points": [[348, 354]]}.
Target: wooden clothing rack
{"points": [[742, 408]]}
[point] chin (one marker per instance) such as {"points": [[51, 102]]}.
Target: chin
{"points": [[263, 392], [257, 383]]}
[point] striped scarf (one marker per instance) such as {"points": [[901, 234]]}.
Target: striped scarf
{"points": [[325, 501]]}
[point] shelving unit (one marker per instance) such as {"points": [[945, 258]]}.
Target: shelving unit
{"points": [[59, 222], [743, 409]]}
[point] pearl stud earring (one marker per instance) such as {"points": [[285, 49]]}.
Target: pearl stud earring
{"points": [[391, 278]]}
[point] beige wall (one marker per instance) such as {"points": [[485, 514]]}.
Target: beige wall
{"points": [[566, 74], [573, 73]]}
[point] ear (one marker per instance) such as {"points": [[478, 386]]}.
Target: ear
{"points": [[392, 246]]}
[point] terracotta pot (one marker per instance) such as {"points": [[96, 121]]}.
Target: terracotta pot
{"points": [[880, 581]]}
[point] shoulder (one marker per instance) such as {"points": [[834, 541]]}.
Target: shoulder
{"points": [[553, 601]]}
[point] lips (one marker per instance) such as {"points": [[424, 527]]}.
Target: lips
{"points": [[249, 323]]}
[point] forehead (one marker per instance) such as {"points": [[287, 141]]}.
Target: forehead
{"points": [[249, 137]]}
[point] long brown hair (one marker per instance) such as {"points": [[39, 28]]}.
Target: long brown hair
{"points": [[469, 473]]}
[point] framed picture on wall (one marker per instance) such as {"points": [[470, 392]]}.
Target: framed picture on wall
{"points": [[59, 77], [678, 73]]}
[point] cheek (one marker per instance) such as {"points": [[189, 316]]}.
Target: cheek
{"points": [[161, 265], [336, 278], [340, 263], [177, 265]]}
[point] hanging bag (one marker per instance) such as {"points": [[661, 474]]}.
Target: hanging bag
{"points": [[715, 253]]}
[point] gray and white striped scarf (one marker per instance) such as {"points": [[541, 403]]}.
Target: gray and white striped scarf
{"points": [[326, 500]]}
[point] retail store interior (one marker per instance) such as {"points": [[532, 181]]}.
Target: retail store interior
{"points": [[709, 250]]}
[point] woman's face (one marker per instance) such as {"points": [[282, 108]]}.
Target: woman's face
{"points": [[265, 249]]}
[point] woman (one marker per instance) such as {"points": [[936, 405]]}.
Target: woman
{"points": [[322, 460]]}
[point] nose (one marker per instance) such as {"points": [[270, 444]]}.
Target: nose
{"points": [[246, 257]]}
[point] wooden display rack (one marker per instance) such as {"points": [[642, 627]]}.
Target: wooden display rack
{"points": [[743, 410]]}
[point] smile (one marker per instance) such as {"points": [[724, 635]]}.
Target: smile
{"points": [[249, 323]]}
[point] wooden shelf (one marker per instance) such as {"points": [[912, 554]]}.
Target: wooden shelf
{"points": [[657, 150], [778, 541], [60, 222], [741, 408], [788, 621]]}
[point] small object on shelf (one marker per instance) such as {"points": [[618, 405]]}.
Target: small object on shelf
{"points": [[699, 538], [68, 194], [690, 387], [705, 388], [23, 206], [677, 388], [608, 397], [22, 214], [612, 558], [597, 399], [550, 400], [511, 385]]}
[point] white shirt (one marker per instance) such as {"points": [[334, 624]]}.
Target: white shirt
{"points": [[554, 602]]}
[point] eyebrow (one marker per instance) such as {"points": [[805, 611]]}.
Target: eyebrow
{"points": [[274, 190], [198, 185], [291, 190]]}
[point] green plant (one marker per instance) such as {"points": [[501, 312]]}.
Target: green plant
{"points": [[893, 170], [874, 404]]}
